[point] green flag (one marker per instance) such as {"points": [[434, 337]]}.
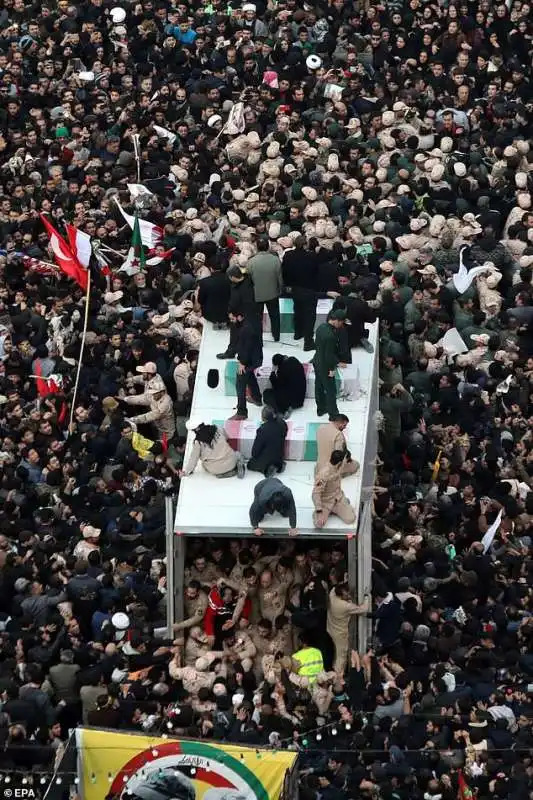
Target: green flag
{"points": [[139, 257]]}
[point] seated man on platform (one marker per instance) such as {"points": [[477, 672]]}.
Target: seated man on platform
{"points": [[213, 450], [269, 446], [328, 497], [289, 384]]}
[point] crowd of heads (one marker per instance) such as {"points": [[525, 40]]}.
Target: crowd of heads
{"points": [[392, 142]]}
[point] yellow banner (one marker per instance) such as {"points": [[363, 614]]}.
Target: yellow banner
{"points": [[138, 767]]}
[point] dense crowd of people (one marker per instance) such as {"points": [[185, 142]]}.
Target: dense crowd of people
{"points": [[378, 154]]}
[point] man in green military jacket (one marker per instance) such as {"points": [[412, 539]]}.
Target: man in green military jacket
{"points": [[325, 361]]}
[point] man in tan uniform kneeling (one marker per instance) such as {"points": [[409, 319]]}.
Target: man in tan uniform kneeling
{"points": [[330, 437], [328, 497]]}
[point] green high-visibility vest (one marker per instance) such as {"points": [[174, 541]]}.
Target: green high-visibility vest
{"points": [[311, 661]]}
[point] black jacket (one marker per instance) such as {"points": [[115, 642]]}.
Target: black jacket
{"points": [[269, 445], [249, 345], [83, 588], [242, 298], [263, 494], [214, 297], [358, 313], [389, 618], [300, 268]]}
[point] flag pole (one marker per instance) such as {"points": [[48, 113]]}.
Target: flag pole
{"points": [[137, 152], [84, 334]]}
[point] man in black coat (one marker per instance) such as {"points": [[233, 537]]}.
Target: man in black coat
{"points": [[214, 295], [269, 445], [249, 344], [358, 312], [288, 383], [300, 273], [241, 299]]}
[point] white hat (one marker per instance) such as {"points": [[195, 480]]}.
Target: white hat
{"points": [[193, 423], [160, 319], [249, 7], [274, 230], [525, 261], [446, 144], [313, 62], [273, 150], [310, 193], [213, 119], [120, 621], [437, 224], [417, 223], [524, 201], [333, 162], [238, 698], [520, 179], [180, 173], [353, 123], [470, 220], [91, 533], [429, 269], [253, 139], [191, 213], [387, 141], [214, 178], [113, 297], [86, 76], [270, 168], [117, 15], [388, 118], [150, 367], [233, 218], [460, 169], [437, 172]]}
